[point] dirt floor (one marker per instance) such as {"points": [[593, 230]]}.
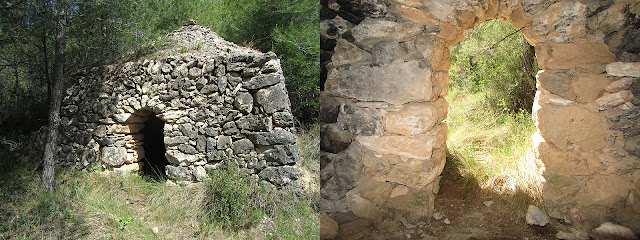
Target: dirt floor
{"points": [[464, 211]]}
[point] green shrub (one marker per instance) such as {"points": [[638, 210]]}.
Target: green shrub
{"points": [[234, 200], [502, 68]]}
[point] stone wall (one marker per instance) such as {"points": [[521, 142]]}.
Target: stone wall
{"points": [[217, 101], [385, 73]]}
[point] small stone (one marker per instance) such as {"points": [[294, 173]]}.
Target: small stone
{"points": [[155, 230], [609, 230], [621, 84], [488, 203], [631, 69], [446, 221], [438, 215], [328, 227], [611, 100], [535, 216]]}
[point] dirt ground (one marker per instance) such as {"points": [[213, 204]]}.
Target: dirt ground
{"points": [[465, 212]]}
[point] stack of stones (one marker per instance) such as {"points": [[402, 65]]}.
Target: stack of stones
{"points": [[216, 103]]}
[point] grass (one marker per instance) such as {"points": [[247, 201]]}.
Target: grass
{"points": [[492, 147], [231, 205]]}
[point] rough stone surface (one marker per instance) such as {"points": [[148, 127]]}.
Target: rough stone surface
{"points": [[328, 227], [384, 73], [609, 230], [535, 216], [631, 69], [218, 102]]}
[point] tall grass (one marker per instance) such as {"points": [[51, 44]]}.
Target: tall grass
{"points": [[230, 205], [493, 147]]}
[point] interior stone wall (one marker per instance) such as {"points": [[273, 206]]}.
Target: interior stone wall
{"points": [[385, 73], [218, 101]]}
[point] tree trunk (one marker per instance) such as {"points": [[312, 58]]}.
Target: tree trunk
{"points": [[529, 69], [48, 161]]}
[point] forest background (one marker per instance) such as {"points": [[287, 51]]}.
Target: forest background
{"points": [[103, 31]]}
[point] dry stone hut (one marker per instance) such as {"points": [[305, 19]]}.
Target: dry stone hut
{"points": [[181, 113], [386, 68]]}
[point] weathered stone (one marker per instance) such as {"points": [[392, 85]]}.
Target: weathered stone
{"points": [[230, 128], [243, 102], [281, 155], [536, 217], [127, 168], [334, 139], [364, 83], [415, 118], [178, 173], [263, 80], [348, 53], [610, 100], [276, 137], [254, 123], [328, 227], [631, 69], [283, 119], [417, 146], [632, 145], [224, 142], [200, 173], [273, 99], [609, 230], [561, 125], [113, 156], [173, 141], [242, 146], [179, 158], [570, 55], [619, 85], [414, 14], [195, 72], [280, 175], [372, 31], [599, 191], [188, 149], [362, 207]]}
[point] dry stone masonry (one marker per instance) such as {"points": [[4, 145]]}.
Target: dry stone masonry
{"points": [[385, 75], [217, 102]]}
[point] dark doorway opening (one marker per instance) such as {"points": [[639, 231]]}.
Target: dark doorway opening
{"points": [[155, 160]]}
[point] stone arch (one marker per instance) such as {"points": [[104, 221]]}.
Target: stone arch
{"points": [[383, 135]]}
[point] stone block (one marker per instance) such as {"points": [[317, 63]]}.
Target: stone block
{"points": [[382, 83], [348, 53], [631, 69], [570, 55], [362, 207], [263, 80], [371, 31], [413, 14], [414, 146], [567, 162], [273, 99], [334, 139], [178, 173], [281, 155], [242, 146], [600, 190], [275, 137], [114, 156], [328, 227], [415, 118], [243, 102], [564, 125], [280, 175], [180, 158]]}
